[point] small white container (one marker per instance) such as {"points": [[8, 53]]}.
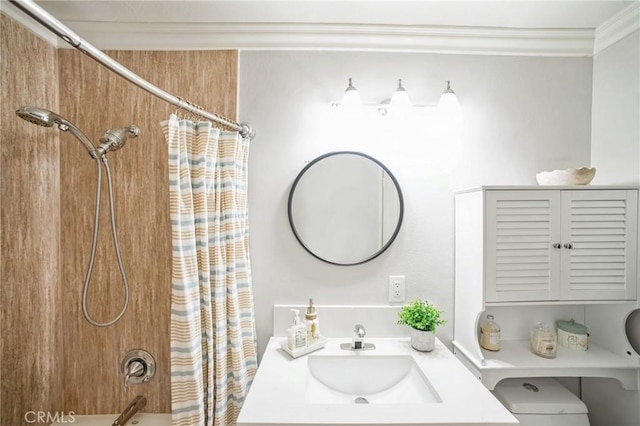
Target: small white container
{"points": [[319, 344], [572, 335]]}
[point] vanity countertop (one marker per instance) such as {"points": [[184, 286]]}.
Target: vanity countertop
{"points": [[278, 393]]}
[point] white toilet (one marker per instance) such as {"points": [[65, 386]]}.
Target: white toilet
{"points": [[541, 401]]}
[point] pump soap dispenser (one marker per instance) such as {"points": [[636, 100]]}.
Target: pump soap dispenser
{"points": [[297, 333], [313, 325], [300, 340]]}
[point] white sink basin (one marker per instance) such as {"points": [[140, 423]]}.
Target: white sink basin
{"points": [[401, 385], [384, 379]]}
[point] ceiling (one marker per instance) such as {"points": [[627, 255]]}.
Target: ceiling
{"points": [[364, 25], [507, 14]]}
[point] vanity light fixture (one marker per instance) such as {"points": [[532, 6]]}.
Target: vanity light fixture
{"points": [[400, 104], [448, 105]]}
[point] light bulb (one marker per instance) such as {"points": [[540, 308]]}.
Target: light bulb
{"points": [[448, 106], [351, 102], [400, 103]]}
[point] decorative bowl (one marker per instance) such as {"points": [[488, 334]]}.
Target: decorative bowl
{"points": [[581, 176]]}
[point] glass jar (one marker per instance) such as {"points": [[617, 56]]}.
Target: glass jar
{"points": [[544, 340], [490, 334]]}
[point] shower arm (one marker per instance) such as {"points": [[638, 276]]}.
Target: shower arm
{"points": [[52, 24]]}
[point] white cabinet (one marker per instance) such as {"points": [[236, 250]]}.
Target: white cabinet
{"points": [[526, 254], [562, 245]]}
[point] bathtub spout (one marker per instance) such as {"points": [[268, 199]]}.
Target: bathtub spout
{"points": [[136, 405]]}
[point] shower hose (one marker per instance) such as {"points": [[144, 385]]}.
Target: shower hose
{"points": [[96, 221]]}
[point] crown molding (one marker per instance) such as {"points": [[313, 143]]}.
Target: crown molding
{"points": [[346, 37], [280, 36], [618, 27], [29, 23]]}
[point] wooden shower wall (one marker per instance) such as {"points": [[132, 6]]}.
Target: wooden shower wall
{"points": [[30, 301], [96, 99], [52, 360]]}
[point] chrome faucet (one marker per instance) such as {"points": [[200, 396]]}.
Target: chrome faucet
{"points": [[136, 405], [357, 342], [133, 369], [137, 366]]}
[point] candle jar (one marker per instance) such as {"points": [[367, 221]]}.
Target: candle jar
{"points": [[572, 335]]}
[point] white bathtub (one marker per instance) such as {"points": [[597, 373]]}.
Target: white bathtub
{"points": [[142, 419]]}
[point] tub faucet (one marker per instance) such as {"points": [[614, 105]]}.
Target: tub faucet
{"points": [[136, 405], [137, 366], [358, 337]]}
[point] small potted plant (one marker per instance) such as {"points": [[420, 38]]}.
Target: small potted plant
{"points": [[422, 317]]}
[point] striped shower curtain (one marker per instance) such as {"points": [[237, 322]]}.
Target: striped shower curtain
{"points": [[213, 339]]}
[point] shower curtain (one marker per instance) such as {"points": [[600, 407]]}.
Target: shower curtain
{"points": [[213, 343]]}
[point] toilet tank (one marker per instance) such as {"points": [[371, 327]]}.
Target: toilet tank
{"points": [[538, 395]]}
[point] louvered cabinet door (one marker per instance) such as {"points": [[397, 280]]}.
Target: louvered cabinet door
{"points": [[521, 229], [599, 244]]}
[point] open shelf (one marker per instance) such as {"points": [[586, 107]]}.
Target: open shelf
{"points": [[515, 359]]}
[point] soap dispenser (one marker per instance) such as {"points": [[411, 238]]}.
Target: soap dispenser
{"points": [[297, 333], [313, 324]]}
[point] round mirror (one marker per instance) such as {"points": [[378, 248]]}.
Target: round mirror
{"points": [[345, 208]]}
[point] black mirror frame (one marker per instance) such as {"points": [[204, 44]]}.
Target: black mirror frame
{"points": [[400, 201]]}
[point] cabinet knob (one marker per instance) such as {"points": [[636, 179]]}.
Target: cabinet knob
{"points": [[568, 246], [556, 245]]}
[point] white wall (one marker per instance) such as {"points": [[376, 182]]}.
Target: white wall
{"points": [[615, 152], [615, 143], [523, 115]]}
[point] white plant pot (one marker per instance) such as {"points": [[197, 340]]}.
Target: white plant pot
{"points": [[423, 341]]}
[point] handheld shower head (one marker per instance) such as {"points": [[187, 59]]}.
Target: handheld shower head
{"points": [[114, 139], [111, 140], [38, 116], [44, 117]]}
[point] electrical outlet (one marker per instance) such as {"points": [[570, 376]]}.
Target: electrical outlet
{"points": [[396, 288]]}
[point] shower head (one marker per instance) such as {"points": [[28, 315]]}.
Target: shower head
{"points": [[44, 117], [39, 116], [114, 139]]}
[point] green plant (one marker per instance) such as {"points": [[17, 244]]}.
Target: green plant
{"points": [[420, 315]]}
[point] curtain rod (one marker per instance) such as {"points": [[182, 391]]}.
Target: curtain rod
{"points": [[52, 24]]}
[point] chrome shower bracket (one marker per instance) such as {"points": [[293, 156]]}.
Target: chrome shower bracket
{"points": [[137, 366]]}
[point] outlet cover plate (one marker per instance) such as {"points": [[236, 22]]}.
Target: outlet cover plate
{"points": [[397, 289]]}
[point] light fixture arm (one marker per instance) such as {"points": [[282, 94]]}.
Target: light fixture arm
{"points": [[448, 89], [350, 86]]}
